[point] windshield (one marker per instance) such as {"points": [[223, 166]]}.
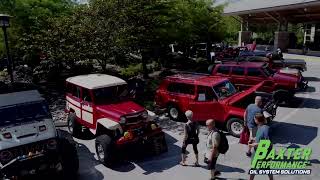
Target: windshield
{"points": [[111, 94], [267, 70], [23, 113], [224, 89]]}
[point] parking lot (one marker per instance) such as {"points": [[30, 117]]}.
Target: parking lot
{"points": [[294, 126]]}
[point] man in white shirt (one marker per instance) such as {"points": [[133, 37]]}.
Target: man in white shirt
{"points": [[212, 143]]}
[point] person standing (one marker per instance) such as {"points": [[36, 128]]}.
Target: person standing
{"points": [[249, 114], [212, 152], [191, 136], [262, 133]]}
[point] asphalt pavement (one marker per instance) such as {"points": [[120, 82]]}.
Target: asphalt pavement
{"points": [[295, 126]]}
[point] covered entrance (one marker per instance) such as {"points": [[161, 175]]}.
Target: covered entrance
{"points": [[280, 13]]}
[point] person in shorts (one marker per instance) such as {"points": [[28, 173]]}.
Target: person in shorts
{"points": [[249, 114], [191, 136], [262, 133], [212, 143]]}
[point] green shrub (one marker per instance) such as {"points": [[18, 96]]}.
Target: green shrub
{"points": [[131, 70]]}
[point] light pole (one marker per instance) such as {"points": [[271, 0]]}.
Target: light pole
{"points": [[4, 23]]}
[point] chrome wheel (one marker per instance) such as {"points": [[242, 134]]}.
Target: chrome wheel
{"points": [[236, 128], [100, 151], [174, 113]]}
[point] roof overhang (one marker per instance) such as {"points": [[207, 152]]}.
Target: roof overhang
{"points": [[264, 11]]}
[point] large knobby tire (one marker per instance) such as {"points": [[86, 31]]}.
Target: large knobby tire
{"points": [[69, 159], [105, 150], [281, 95], [235, 126], [175, 113], [74, 127]]}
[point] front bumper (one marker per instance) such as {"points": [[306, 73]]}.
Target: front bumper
{"points": [[41, 163], [151, 143], [303, 85]]}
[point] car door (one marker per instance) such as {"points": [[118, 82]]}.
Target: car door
{"points": [[205, 105], [74, 99], [180, 94], [255, 76], [86, 106], [238, 77]]}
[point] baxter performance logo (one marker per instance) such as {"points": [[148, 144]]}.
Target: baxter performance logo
{"points": [[291, 161]]}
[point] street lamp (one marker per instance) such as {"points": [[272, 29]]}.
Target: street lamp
{"points": [[4, 23]]}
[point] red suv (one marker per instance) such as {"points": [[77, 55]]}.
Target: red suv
{"points": [[101, 104], [247, 74], [208, 97]]}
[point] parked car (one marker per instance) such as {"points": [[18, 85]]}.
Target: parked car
{"points": [[101, 103], [209, 97], [275, 60], [247, 74], [29, 141]]}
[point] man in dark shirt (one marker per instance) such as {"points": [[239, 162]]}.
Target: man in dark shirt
{"points": [[249, 114], [262, 133]]}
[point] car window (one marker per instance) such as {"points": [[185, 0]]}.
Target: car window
{"points": [[86, 95], [181, 88], [76, 91], [224, 89], [111, 94], [238, 70], [254, 72], [69, 88], [223, 69], [205, 93]]}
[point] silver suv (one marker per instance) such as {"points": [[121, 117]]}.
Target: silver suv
{"points": [[29, 141]]}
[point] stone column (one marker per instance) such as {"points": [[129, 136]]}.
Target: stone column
{"points": [[244, 36], [281, 40]]}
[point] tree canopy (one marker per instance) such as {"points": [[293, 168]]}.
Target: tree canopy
{"points": [[105, 31]]}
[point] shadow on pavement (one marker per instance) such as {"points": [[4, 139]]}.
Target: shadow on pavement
{"points": [[311, 103], [283, 133], [162, 162], [87, 164], [316, 79], [224, 168], [310, 89], [221, 178]]}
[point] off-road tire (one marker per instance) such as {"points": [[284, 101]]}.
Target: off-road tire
{"points": [[159, 145], [180, 115], [74, 128], [231, 122], [281, 95], [108, 149], [69, 159]]}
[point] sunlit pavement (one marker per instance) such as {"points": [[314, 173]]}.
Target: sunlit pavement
{"points": [[293, 127]]}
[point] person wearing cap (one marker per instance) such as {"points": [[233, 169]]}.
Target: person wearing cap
{"points": [[249, 114], [191, 136]]}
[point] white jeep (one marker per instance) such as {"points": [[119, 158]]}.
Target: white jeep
{"points": [[29, 141]]}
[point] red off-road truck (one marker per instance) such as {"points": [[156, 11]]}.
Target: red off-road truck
{"points": [[209, 98], [101, 103], [247, 74]]}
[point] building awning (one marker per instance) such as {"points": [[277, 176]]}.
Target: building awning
{"points": [[294, 11]]}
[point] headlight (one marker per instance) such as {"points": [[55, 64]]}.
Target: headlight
{"points": [[145, 114], [122, 120], [52, 144]]}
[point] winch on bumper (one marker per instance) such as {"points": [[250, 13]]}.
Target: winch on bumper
{"points": [[31, 165], [56, 156], [143, 141]]}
